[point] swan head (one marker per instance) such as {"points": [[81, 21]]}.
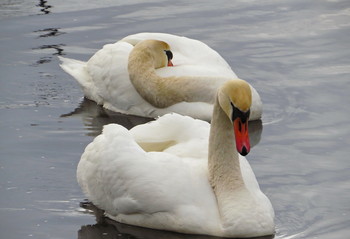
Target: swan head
{"points": [[158, 50], [235, 98]]}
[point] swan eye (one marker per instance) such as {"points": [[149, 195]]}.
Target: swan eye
{"points": [[169, 54]]}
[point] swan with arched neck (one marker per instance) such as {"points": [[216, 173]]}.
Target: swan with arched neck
{"points": [[112, 76], [165, 175]]}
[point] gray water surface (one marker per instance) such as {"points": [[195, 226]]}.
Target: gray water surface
{"points": [[294, 52]]}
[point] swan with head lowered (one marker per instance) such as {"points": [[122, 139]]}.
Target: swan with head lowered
{"points": [[165, 175], [151, 74]]}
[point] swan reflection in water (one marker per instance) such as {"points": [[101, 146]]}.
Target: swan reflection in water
{"points": [[106, 228], [95, 117]]}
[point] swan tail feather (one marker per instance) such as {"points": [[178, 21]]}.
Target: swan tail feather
{"points": [[78, 70]]}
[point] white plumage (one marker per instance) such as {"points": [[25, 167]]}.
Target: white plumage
{"points": [[105, 77], [156, 175]]}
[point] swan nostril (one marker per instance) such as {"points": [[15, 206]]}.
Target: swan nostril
{"points": [[244, 151]]}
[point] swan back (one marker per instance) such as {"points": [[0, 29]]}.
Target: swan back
{"points": [[191, 57]]}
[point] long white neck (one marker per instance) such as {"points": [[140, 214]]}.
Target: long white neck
{"points": [[223, 163], [163, 92]]}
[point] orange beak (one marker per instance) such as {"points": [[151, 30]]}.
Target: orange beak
{"points": [[170, 63], [242, 136]]}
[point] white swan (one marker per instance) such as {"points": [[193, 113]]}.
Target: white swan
{"points": [[105, 78], [163, 175]]}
